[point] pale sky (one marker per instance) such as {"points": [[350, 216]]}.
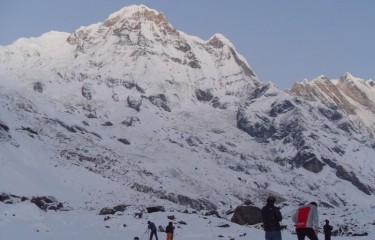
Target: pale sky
{"points": [[284, 41]]}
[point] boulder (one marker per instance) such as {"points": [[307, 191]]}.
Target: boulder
{"points": [[113, 210], [160, 100], [212, 213], [47, 203], [124, 141], [87, 91], [134, 103], [107, 211], [5, 198], [203, 96], [120, 208], [39, 87], [247, 215], [155, 209]]}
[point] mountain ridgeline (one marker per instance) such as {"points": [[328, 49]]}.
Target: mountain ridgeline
{"points": [[184, 120]]}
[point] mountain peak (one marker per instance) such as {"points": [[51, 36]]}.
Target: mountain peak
{"points": [[137, 14], [131, 10], [347, 75], [321, 78], [318, 80], [135, 24], [219, 40], [348, 78]]}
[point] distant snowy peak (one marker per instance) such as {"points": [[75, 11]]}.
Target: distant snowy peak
{"points": [[321, 88], [354, 96], [138, 41], [149, 32], [218, 40], [356, 84], [135, 10], [140, 20], [136, 46], [139, 15]]}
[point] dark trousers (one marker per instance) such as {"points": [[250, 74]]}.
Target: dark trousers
{"points": [[303, 232], [152, 234], [273, 235]]}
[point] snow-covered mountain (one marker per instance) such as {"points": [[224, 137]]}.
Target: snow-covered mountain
{"points": [[132, 110], [353, 96]]}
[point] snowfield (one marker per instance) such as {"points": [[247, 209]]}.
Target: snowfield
{"points": [[26, 221]]}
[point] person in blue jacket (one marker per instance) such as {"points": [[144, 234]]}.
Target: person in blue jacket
{"points": [[152, 228]]}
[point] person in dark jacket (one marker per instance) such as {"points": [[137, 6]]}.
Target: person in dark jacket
{"points": [[271, 217], [327, 230], [169, 230], [152, 228]]}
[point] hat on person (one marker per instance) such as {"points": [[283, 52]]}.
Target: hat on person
{"points": [[271, 199], [327, 221], [314, 203]]}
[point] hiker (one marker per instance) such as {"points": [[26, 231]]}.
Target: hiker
{"points": [[327, 230], [169, 230], [152, 228], [306, 221], [136, 238], [271, 217]]}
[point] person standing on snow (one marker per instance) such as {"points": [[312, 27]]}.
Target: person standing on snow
{"points": [[306, 220], [169, 230], [153, 230], [327, 230], [271, 217]]}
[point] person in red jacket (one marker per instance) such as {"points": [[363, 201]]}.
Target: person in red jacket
{"points": [[306, 221], [169, 230]]}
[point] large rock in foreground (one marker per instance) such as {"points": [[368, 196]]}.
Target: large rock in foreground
{"points": [[247, 215]]}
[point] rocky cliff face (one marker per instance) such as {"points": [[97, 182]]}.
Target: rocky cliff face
{"points": [[182, 120], [353, 96], [303, 133]]}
